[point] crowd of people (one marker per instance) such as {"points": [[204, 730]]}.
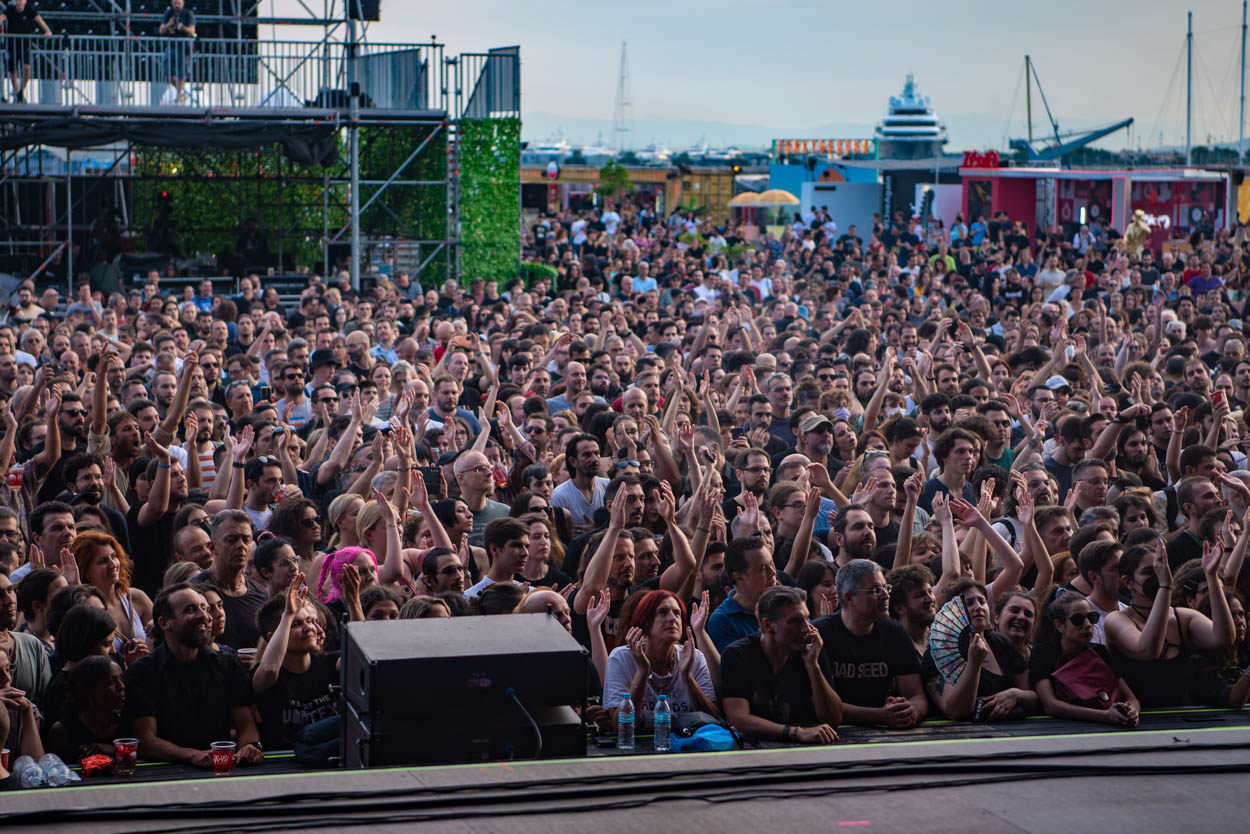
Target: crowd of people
{"points": [[826, 481]]}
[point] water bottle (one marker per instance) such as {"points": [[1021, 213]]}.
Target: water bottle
{"points": [[625, 724], [28, 772], [55, 771], [663, 724]]}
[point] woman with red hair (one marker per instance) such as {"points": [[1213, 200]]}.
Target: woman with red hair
{"points": [[103, 564], [654, 662]]}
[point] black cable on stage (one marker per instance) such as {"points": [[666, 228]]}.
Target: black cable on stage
{"points": [[538, 734], [291, 806]]}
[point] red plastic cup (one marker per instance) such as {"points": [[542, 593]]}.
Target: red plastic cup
{"points": [[125, 754], [223, 757], [4, 758]]}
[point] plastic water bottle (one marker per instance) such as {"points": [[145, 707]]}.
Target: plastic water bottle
{"points": [[663, 724], [55, 771], [625, 723], [28, 772]]}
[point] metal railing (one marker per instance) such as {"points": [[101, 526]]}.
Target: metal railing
{"points": [[223, 73]]}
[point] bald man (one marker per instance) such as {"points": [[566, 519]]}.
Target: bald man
{"points": [[575, 381], [476, 478]]}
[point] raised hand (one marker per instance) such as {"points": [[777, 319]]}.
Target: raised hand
{"points": [[941, 510], [159, 452], [244, 444], [637, 642], [913, 486], [350, 582], [190, 428], [297, 591], [1163, 571], [700, 611], [69, 567], [812, 644], [968, 515], [666, 503], [1024, 505]]}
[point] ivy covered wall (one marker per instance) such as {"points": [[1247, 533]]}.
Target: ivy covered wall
{"points": [[490, 198], [212, 193]]}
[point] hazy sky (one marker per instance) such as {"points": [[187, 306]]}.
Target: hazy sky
{"points": [[803, 63]]}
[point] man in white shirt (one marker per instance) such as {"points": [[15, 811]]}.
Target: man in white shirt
{"points": [[507, 542], [610, 220]]}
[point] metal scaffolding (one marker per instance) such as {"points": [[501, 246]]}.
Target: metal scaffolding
{"points": [[111, 65]]}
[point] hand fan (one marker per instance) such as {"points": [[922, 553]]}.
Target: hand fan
{"points": [[944, 635]]}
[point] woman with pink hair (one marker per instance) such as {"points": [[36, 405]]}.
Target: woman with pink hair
{"points": [[343, 574]]}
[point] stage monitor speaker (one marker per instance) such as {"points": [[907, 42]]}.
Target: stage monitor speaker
{"points": [[365, 9], [499, 734], [396, 669]]}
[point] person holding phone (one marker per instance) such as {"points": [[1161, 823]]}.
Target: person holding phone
{"points": [[178, 23]]}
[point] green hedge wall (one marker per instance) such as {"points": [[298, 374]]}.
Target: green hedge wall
{"points": [[490, 198]]}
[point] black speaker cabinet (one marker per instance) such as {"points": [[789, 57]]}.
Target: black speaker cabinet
{"points": [[364, 9], [421, 668], [497, 735]]}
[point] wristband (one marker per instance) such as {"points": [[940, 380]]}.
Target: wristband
{"points": [[785, 733], [237, 465], [162, 466]]}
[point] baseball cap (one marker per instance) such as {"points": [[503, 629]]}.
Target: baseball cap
{"points": [[1056, 382], [813, 421], [322, 356]]}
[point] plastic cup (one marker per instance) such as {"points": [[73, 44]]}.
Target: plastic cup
{"points": [[223, 757], [4, 758], [247, 657], [125, 754]]}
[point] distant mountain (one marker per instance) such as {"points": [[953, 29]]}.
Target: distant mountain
{"points": [[967, 131]]}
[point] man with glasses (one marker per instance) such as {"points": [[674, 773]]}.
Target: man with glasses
{"points": [[10, 528], [754, 472], [294, 407], [1090, 480], [476, 478], [875, 669], [442, 571], [759, 425], [998, 451], [71, 422]]}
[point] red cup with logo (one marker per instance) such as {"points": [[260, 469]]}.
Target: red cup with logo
{"points": [[125, 754], [223, 757]]}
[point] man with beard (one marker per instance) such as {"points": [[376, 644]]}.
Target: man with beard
{"points": [[84, 479], [956, 455], [749, 564], [583, 493], [203, 446], [610, 568], [507, 542], [476, 478], [241, 597], [291, 382], [359, 362], [872, 655], [601, 383], [442, 571], [753, 471], [759, 427], [445, 406], [184, 696], [913, 604], [853, 535], [262, 478], [151, 523], [935, 414], [1133, 454], [574, 383], [71, 422], [815, 442]]}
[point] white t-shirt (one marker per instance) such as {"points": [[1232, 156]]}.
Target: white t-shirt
{"points": [[619, 675], [482, 585], [610, 220]]}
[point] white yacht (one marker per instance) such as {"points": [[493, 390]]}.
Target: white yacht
{"points": [[910, 129]]}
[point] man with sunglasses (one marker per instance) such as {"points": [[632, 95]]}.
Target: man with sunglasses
{"points": [[875, 668], [290, 380]]}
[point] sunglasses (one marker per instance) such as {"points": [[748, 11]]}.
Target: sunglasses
{"points": [[327, 400], [1078, 620], [309, 522], [622, 464]]}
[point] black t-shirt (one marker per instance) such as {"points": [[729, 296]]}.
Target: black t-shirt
{"points": [[1010, 661], [1182, 547], [784, 696], [191, 702], [152, 550], [23, 22], [186, 17], [241, 630], [865, 668], [297, 700], [611, 624]]}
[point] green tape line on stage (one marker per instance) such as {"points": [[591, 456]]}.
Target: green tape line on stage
{"points": [[668, 756]]}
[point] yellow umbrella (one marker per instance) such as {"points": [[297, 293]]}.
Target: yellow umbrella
{"points": [[746, 198], [776, 197]]}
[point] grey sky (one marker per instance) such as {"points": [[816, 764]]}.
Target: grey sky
{"points": [[803, 64]]}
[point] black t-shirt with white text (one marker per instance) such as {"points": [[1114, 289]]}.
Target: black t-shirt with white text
{"points": [[297, 700], [865, 669]]}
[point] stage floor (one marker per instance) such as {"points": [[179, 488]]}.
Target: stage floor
{"points": [[1176, 770]]}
